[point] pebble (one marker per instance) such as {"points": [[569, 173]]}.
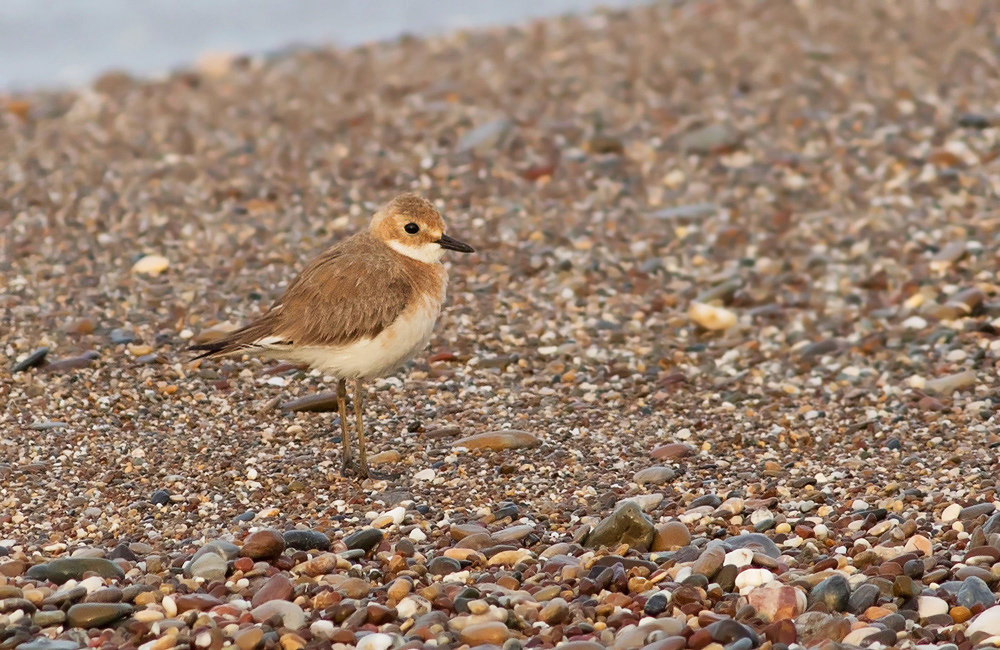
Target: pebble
{"points": [[291, 614], [710, 317], [494, 633], [375, 641], [277, 587], [656, 475], [209, 567], [88, 615], [834, 592], [33, 360], [974, 592], [151, 265], [670, 536], [263, 545], [365, 539], [626, 525], [73, 568], [306, 540], [775, 602], [928, 606], [498, 441]]}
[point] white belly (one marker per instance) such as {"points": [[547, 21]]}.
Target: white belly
{"points": [[378, 356]]}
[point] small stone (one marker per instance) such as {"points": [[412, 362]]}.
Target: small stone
{"points": [[44, 643], [277, 587], [484, 137], [151, 265], [494, 633], [756, 542], [729, 631], [656, 475], [89, 615], [355, 588], [499, 441], [557, 610], [73, 568], [325, 402], [947, 385], [248, 638], [365, 539], [209, 567], [291, 614], [36, 358], [834, 592], [812, 627], [196, 601], [708, 139], [306, 540], [951, 513], [928, 606], [672, 451], [265, 544], [863, 597], [626, 525], [670, 536], [974, 592], [290, 641], [377, 641], [775, 602], [709, 562], [711, 317]]}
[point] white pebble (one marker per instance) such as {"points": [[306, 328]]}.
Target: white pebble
{"points": [[252, 474], [323, 629], [858, 504], [376, 641], [169, 606], [951, 513], [928, 606], [396, 514], [914, 323], [988, 622], [740, 557], [151, 265], [424, 475], [417, 535], [751, 578], [710, 317]]}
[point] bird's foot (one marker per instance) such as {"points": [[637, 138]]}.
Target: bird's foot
{"points": [[353, 469]]}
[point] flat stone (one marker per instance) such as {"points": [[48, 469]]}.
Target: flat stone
{"points": [[306, 540], [672, 451], [709, 562], [324, 402], [493, 632], [499, 440], [818, 626], [277, 587], [657, 475], [775, 602], [626, 525], [33, 360], [91, 615], [74, 568]]}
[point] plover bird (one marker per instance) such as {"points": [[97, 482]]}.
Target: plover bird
{"points": [[358, 311]]}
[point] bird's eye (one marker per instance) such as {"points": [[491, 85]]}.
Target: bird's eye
{"points": [[411, 228]]}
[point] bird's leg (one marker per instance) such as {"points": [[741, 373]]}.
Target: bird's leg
{"points": [[359, 415], [363, 470], [345, 434]]}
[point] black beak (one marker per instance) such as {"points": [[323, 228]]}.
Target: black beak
{"points": [[454, 245]]}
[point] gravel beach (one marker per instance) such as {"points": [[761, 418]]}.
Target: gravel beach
{"points": [[721, 374]]}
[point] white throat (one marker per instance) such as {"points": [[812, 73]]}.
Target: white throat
{"points": [[428, 253]]}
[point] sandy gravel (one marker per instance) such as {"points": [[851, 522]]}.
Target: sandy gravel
{"points": [[736, 275]]}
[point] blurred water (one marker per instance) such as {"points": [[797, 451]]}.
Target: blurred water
{"points": [[66, 42]]}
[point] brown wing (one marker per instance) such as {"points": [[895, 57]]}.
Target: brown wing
{"points": [[351, 292]]}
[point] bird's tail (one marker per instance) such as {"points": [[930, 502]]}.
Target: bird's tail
{"points": [[252, 337]]}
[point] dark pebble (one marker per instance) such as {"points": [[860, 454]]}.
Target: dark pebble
{"points": [[834, 592], [442, 566], [863, 597], [306, 540], [974, 592], [33, 360], [160, 498], [365, 539], [656, 604]]}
